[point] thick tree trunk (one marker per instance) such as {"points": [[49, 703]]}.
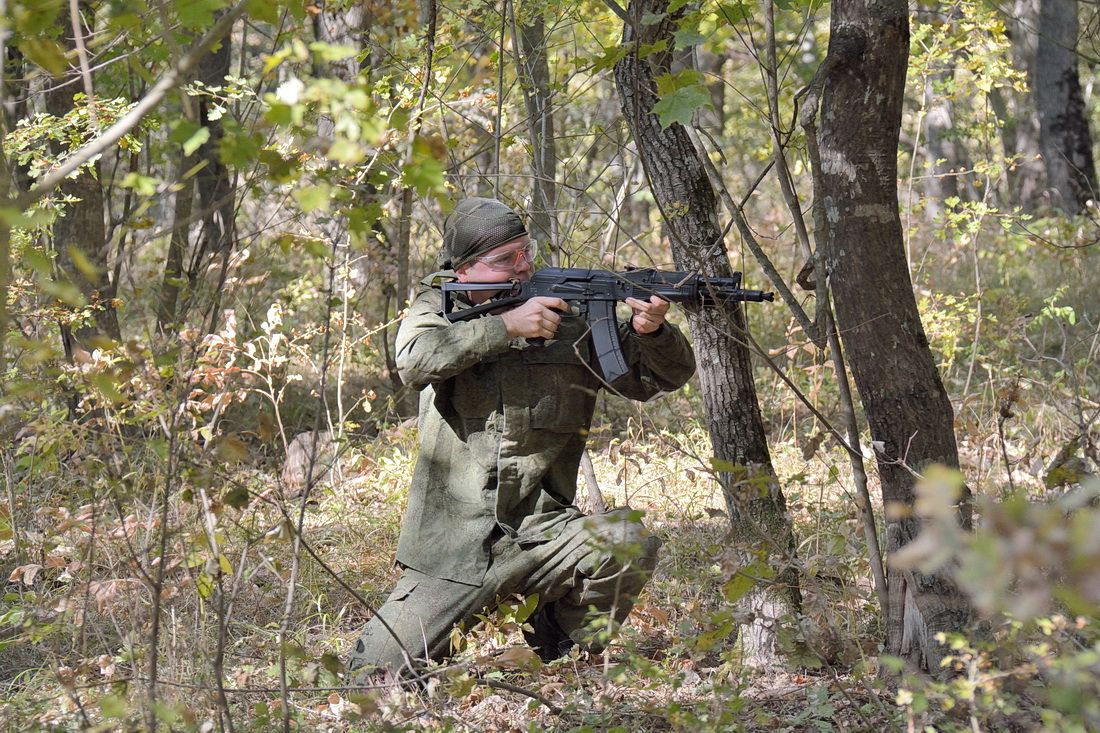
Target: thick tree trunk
{"points": [[214, 190], [907, 408], [82, 226], [1063, 121], [757, 508]]}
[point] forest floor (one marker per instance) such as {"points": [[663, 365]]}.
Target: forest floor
{"points": [[76, 617], [675, 666]]}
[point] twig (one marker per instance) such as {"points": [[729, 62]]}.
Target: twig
{"points": [[167, 82], [497, 133], [738, 215], [786, 185], [497, 684]]}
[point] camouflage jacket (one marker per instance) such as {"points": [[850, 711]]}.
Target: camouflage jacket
{"points": [[503, 425]]}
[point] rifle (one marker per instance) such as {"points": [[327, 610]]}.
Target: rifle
{"points": [[596, 292]]}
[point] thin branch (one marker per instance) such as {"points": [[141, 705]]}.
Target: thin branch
{"points": [[82, 55], [738, 215], [167, 82]]}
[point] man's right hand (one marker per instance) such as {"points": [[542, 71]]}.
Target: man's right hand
{"points": [[539, 317]]}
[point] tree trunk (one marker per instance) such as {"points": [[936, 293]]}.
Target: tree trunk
{"points": [[217, 194], [760, 527], [82, 226], [1063, 121], [534, 70], [217, 206], [178, 245], [907, 408], [1020, 135]]}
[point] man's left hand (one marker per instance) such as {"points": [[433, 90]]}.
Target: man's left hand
{"points": [[648, 315]]}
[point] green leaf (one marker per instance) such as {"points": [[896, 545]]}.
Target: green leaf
{"points": [[232, 449], [112, 706], [195, 14], [64, 291], [142, 185], [688, 37], [425, 175], [38, 261], [46, 53], [611, 56], [724, 466], [166, 713], [85, 266], [347, 152], [266, 11], [237, 497], [312, 198], [204, 584], [197, 138], [332, 51], [317, 248], [680, 105], [733, 13], [736, 587], [653, 18], [648, 49], [107, 386], [668, 83]]}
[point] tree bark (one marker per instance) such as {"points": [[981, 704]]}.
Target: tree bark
{"points": [[1020, 135], [907, 407], [534, 70], [216, 200], [82, 226], [1064, 135], [757, 508], [178, 245], [217, 195]]}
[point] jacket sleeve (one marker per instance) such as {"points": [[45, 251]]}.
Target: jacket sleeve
{"points": [[430, 349], [659, 362]]}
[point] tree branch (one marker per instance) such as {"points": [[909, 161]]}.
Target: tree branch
{"points": [[167, 82]]}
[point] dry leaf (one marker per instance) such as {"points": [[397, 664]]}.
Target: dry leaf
{"points": [[517, 657], [25, 574]]}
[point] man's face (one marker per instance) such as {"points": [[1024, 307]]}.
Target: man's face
{"points": [[510, 261]]}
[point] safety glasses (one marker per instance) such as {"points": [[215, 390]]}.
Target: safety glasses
{"points": [[509, 260]]}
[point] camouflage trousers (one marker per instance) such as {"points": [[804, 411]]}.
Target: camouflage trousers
{"points": [[596, 566]]}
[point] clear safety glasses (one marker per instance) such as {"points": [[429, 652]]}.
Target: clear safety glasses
{"points": [[509, 260]]}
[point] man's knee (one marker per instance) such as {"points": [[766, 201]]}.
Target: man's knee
{"points": [[621, 540]]}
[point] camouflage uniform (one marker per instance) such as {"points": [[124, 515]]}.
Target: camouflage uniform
{"points": [[490, 510]]}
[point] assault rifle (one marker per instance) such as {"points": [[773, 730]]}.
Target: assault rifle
{"points": [[596, 292]]}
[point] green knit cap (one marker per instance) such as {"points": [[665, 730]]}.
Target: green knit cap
{"points": [[476, 226]]}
